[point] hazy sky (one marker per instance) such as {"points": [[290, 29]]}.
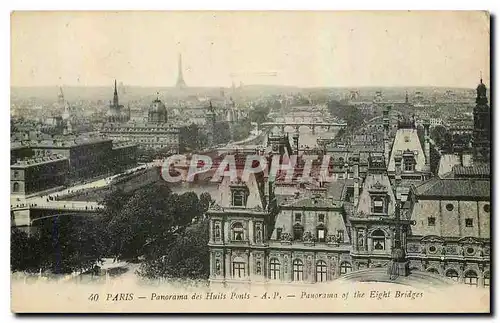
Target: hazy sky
{"points": [[303, 48]]}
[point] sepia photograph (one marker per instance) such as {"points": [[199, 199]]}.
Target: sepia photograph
{"points": [[256, 162]]}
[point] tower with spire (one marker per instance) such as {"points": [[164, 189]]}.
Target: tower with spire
{"points": [[181, 84], [116, 112], [482, 119]]}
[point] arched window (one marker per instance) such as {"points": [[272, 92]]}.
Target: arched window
{"points": [[487, 279], [345, 267], [298, 270], [378, 238], [298, 232], [452, 274], [15, 187], [274, 267], [321, 271], [470, 278], [238, 232]]}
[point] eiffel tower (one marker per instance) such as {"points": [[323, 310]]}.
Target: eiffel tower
{"points": [[181, 84]]}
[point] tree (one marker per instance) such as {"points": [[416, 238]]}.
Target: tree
{"points": [[205, 201], [24, 252], [70, 243], [439, 135], [189, 138], [146, 216], [188, 208], [259, 113], [187, 256], [353, 116]]}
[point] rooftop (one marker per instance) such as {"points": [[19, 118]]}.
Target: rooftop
{"points": [[37, 161], [454, 188]]}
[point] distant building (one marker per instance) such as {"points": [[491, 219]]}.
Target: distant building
{"points": [[116, 112], [38, 174], [88, 156], [157, 133]]}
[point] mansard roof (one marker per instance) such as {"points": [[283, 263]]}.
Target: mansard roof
{"points": [[476, 171], [454, 189]]}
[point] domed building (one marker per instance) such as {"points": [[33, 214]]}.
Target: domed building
{"points": [[154, 133], [157, 112]]}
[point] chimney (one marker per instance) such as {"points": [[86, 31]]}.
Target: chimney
{"points": [[397, 159], [356, 183]]}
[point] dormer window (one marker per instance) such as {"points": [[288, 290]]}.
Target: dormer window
{"points": [[409, 165], [378, 205], [298, 232], [239, 198]]}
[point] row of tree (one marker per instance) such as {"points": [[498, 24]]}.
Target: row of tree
{"points": [[152, 224]]}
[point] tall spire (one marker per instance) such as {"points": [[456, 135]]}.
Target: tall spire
{"points": [[115, 97], [180, 78]]}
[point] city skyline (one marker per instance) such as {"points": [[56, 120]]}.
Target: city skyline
{"points": [[300, 49]]}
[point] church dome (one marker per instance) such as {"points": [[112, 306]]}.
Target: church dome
{"points": [[157, 106]]}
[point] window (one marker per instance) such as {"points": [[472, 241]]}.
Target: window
{"points": [[15, 187], [486, 279], [452, 274], [431, 221], [298, 232], [274, 267], [321, 234], [378, 238], [16, 174], [238, 231], [486, 208], [468, 223], [470, 251], [239, 198], [321, 271], [407, 139], [378, 205], [278, 233], [409, 165], [470, 278], [321, 218], [432, 249], [298, 270], [298, 217], [345, 268], [238, 269], [449, 207]]}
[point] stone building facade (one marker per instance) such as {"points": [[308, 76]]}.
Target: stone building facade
{"points": [[388, 200]]}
